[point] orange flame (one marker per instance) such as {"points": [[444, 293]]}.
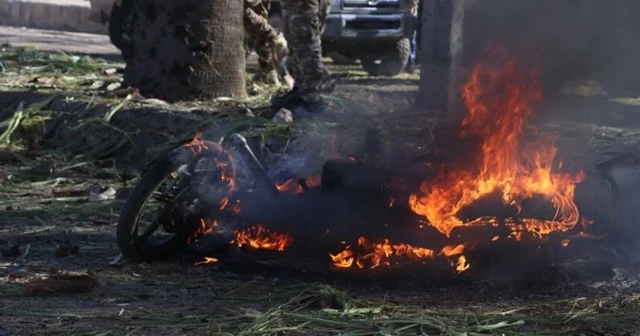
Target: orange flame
{"points": [[376, 254], [202, 230], [449, 251], [292, 185], [462, 264], [499, 99], [197, 145], [289, 186], [343, 259], [223, 203], [207, 260], [259, 237], [227, 173], [313, 181]]}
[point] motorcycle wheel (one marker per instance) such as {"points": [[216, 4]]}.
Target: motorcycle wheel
{"points": [[140, 247]]}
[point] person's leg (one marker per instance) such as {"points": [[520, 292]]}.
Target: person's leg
{"points": [[415, 10], [264, 37], [305, 47], [291, 62], [324, 8], [412, 55]]}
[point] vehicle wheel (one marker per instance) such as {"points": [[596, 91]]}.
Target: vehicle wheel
{"points": [[390, 64], [170, 221]]}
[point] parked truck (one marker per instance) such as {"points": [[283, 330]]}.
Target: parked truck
{"points": [[376, 32]]}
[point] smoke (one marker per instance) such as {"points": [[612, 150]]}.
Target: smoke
{"points": [[626, 236], [577, 39]]}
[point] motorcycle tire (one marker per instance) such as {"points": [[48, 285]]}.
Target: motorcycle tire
{"points": [[129, 243]]}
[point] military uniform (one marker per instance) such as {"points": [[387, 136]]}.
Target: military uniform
{"points": [[303, 24], [270, 45]]}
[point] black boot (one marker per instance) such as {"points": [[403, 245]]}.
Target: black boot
{"points": [[288, 100], [313, 103]]}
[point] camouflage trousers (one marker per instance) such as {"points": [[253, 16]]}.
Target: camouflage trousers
{"points": [[303, 24], [270, 46]]}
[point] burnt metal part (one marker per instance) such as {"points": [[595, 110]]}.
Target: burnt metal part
{"points": [[613, 211], [350, 193], [255, 166]]}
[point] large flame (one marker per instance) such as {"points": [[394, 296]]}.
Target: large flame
{"points": [[500, 98]]}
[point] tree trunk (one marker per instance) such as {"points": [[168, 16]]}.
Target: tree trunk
{"points": [[189, 49], [441, 55]]}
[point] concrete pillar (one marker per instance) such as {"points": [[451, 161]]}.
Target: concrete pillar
{"points": [[441, 54]]}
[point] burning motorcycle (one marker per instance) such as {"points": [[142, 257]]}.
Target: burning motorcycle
{"points": [[221, 187]]}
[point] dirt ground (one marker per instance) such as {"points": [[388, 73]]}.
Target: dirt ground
{"points": [[49, 225]]}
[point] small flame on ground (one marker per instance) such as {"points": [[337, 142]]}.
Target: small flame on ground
{"points": [[223, 203], [202, 230], [259, 237], [292, 186], [449, 251], [377, 254], [565, 242], [313, 181], [207, 260], [343, 259], [462, 264], [289, 186]]}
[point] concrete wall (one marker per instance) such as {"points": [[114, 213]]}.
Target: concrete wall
{"points": [[69, 15]]}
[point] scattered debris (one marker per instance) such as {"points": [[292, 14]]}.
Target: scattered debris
{"points": [[66, 250], [113, 86], [13, 251], [283, 116], [47, 81], [117, 261], [122, 92], [42, 171], [246, 111], [21, 274], [23, 256], [153, 101], [62, 283], [96, 85], [98, 192], [110, 71], [122, 194]]}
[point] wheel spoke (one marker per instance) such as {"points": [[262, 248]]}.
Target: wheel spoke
{"points": [[150, 229]]}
